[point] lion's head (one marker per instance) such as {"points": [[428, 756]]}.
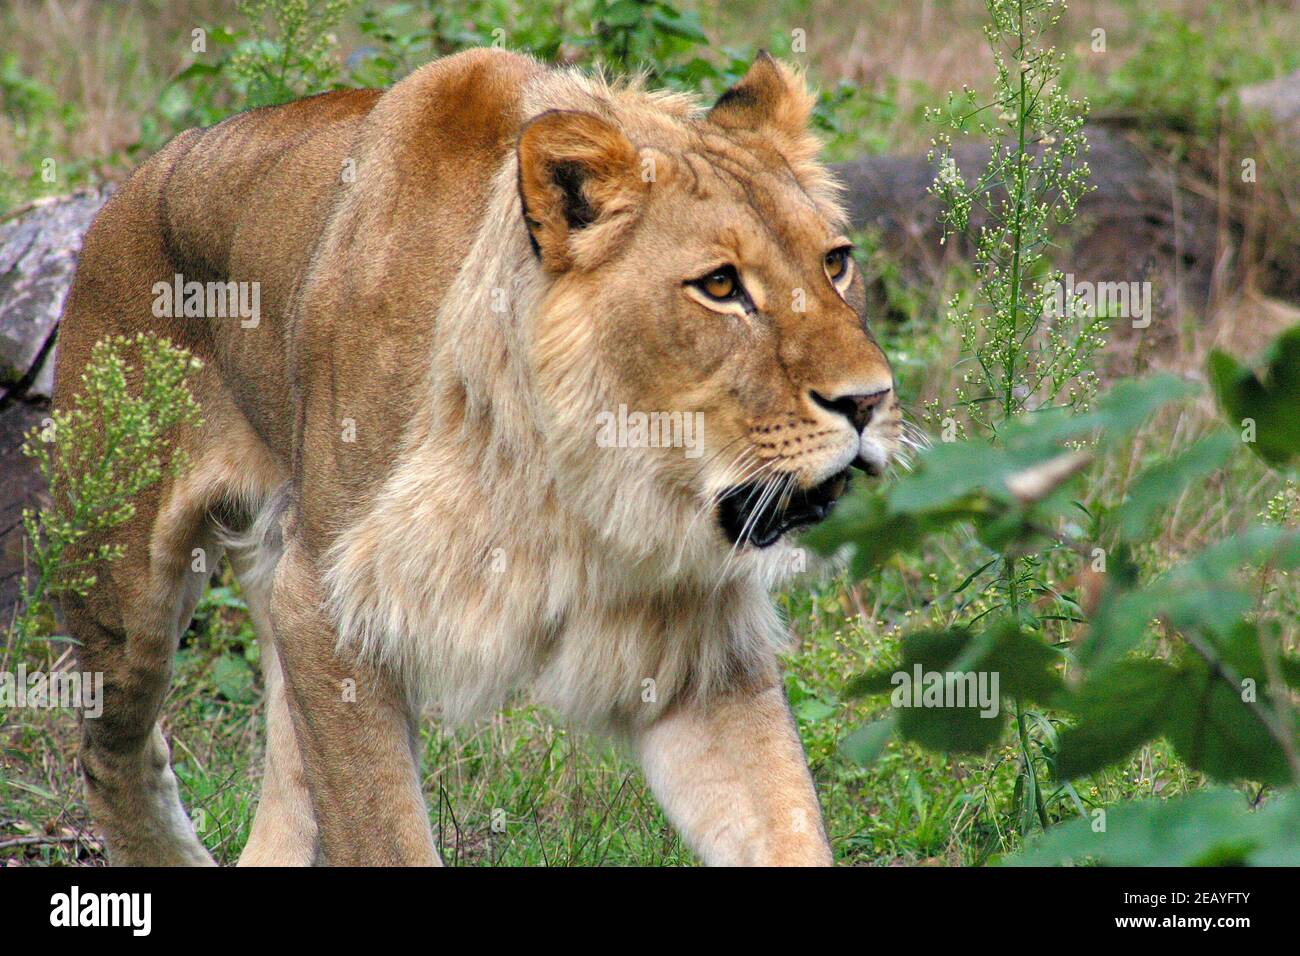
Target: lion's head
{"points": [[700, 273]]}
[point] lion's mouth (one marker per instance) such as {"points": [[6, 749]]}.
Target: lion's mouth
{"points": [[750, 515]]}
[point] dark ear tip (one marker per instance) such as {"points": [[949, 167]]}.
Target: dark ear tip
{"points": [[744, 93]]}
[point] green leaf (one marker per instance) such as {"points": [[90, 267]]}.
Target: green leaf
{"points": [[1113, 417], [966, 581], [1255, 547], [867, 742], [1209, 828], [685, 26], [1277, 826], [1216, 732], [233, 679], [955, 729], [1198, 594], [1271, 403], [1026, 667], [814, 709], [951, 729], [195, 70], [1118, 710], [864, 521], [1022, 665], [954, 470], [1126, 406], [623, 13], [1206, 719], [879, 681]]}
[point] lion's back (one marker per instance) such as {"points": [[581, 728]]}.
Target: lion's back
{"points": [[379, 191]]}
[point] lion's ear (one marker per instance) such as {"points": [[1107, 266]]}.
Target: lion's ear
{"points": [[581, 186], [769, 98]]}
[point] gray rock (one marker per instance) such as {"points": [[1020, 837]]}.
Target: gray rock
{"points": [[38, 256], [23, 488], [43, 384]]}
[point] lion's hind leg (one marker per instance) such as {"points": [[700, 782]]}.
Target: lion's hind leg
{"points": [[128, 628], [284, 829]]}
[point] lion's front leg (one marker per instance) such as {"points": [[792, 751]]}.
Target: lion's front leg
{"points": [[732, 777], [355, 734]]}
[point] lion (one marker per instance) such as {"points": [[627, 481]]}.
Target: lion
{"points": [[459, 281]]}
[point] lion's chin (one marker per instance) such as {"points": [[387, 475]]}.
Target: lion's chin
{"points": [[750, 514]]}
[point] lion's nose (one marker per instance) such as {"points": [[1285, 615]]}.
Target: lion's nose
{"points": [[857, 407]]}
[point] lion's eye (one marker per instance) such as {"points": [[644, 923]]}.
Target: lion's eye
{"points": [[721, 284], [837, 264]]}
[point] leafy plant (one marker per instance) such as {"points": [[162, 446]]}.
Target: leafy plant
{"points": [[1265, 408], [1211, 828], [1015, 359], [293, 58], [96, 456], [1032, 183], [1184, 655], [286, 48]]}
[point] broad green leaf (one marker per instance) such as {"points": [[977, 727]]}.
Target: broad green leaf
{"points": [[864, 521], [1119, 625], [953, 470], [233, 679], [623, 13], [866, 743], [1278, 829], [683, 25], [1271, 404], [1113, 417], [1207, 720], [814, 709], [1216, 732], [871, 683], [955, 729], [1209, 828], [1118, 710], [952, 729], [1122, 622], [1256, 546], [1021, 665], [1026, 667], [1198, 594]]}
